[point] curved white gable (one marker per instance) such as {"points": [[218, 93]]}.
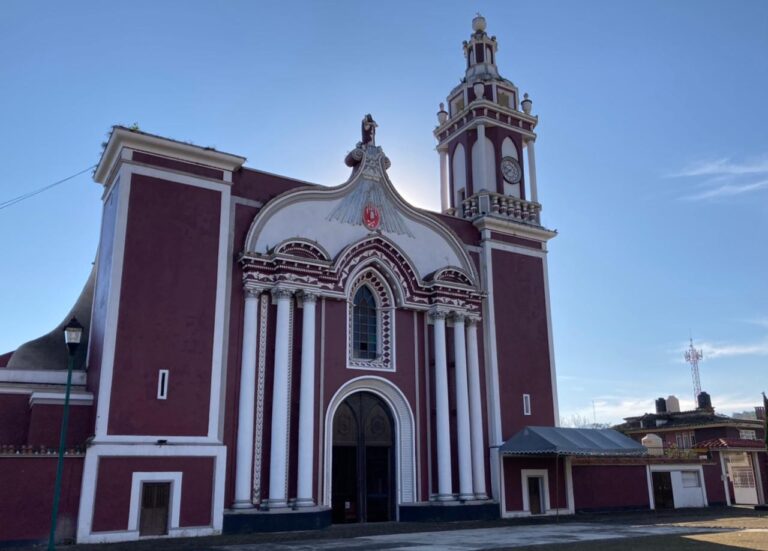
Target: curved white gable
{"points": [[312, 214]]}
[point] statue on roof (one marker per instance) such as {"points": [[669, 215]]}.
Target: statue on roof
{"points": [[369, 130]]}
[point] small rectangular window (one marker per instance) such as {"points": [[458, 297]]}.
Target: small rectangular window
{"points": [[162, 384], [691, 479], [526, 404], [747, 435]]}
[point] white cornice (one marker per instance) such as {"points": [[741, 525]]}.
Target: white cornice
{"points": [[123, 137], [41, 376], [486, 104], [76, 398], [510, 227]]}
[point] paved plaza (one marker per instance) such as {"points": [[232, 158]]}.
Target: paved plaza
{"points": [[479, 539], [714, 528]]}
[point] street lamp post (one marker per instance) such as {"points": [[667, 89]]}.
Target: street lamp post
{"points": [[72, 335]]}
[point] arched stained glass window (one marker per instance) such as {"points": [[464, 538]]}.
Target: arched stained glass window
{"points": [[364, 324]]}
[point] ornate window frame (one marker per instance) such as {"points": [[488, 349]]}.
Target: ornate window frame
{"points": [[385, 322]]}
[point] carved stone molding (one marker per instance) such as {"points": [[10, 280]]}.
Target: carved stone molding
{"points": [[282, 293], [309, 296], [458, 317], [471, 320], [436, 314], [252, 292]]}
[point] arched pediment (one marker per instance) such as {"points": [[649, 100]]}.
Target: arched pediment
{"points": [[332, 220]]}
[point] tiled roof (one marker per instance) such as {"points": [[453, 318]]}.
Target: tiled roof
{"points": [[731, 443]]}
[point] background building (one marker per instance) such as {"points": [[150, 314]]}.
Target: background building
{"points": [[736, 445]]}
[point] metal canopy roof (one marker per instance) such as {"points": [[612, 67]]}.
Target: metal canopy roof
{"points": [[567, 441]]}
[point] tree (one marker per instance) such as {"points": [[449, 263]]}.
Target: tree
{"points": [[578, 421]]}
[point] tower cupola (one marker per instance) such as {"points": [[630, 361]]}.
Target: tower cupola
{"points": [[486, 138], [480, 53]]}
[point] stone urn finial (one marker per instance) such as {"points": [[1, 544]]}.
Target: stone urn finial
{"points": [[478, 23], [527, 104], [442, 115], [479, 89]]}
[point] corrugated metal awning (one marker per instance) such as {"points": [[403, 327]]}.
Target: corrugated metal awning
{"points": [[568, 441]]}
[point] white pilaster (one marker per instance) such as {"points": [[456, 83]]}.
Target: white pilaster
{"points": [[463, 440], [278, 461], [307, 402], [483, 172], [532, 172], [443, 425], [445, 198], [475, 412], [245, 416]]}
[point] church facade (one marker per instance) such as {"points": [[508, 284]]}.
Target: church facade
{"points": [[266, 353]]}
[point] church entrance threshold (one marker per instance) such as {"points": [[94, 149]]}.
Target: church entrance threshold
{"points": [[363, 471]]}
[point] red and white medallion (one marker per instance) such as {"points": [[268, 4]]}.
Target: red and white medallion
{"points": [[371, 217]]}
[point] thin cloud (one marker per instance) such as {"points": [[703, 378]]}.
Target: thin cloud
{"points": [[727, 190], [717, 350], [722, 167], [722, 178], [712, 349], [762, 322]]}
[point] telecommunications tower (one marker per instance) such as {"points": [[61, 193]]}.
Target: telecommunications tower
{"points": [[693, 356]]}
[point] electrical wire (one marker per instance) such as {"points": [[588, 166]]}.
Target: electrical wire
{"points": [[20, 198]]}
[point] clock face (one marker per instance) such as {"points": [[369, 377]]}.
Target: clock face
{"points": [[510, 169]]}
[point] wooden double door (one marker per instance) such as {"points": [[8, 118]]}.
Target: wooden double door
{"points": [[363, 470]]}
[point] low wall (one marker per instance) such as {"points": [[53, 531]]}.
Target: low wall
{"points": [[27, 483], [610, 487]]}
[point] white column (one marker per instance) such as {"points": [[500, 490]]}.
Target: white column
{"points": [[278, 461], [532, 172], [443, 425], [483, 172], [463, 440], [245, 416], [445, 198], [475, 412], [307, 402]]}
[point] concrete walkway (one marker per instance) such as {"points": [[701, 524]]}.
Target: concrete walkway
{"points": [[477, 539]]}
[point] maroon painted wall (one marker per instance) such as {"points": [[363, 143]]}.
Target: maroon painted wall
{"points": [[5, 357], [464, 229], [763, 466], [45, 425], [14, 418], [522, 341], [605, 487], [336, 372], [174, 164], [167, 303], [713, 482], [513, 490], [113, 489], [261, 186], [27, 497]]}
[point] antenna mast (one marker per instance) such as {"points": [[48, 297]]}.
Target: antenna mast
{"points": [[693, 356]]}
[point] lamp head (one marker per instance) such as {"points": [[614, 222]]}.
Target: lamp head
{"points": [[73, 333]]}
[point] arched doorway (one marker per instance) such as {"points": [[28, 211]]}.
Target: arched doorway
{"points": [[363, 470]]}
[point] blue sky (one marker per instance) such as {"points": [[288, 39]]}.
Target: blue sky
{"points": [[652, 155]]}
